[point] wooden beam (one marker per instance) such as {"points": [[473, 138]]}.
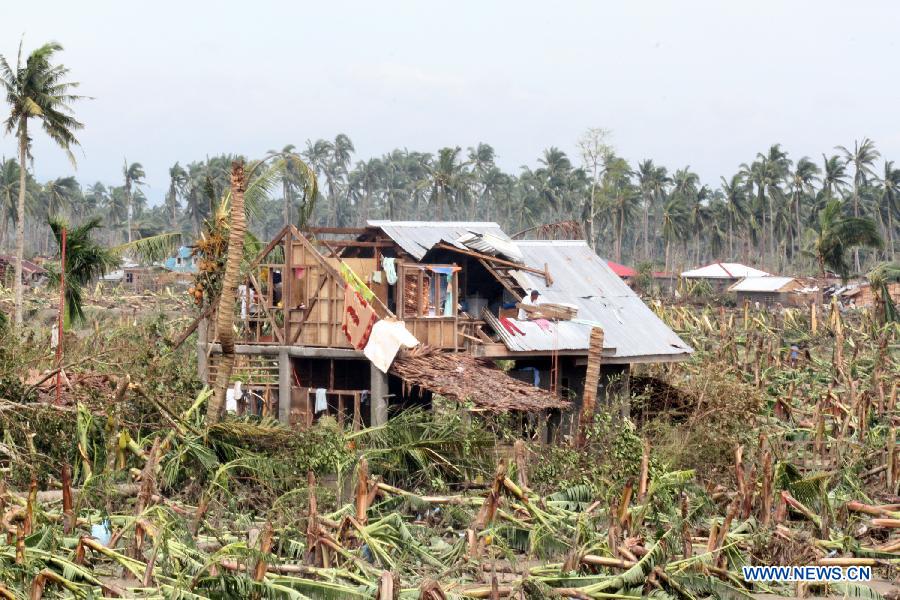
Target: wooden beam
{"points": [[344, 230], [352, 244], [545, 273], [501, 279], [296, 351]]}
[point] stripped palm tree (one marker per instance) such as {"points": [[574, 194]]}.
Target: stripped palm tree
{"points": [[134, 176], [177, 180], [240, 192]]}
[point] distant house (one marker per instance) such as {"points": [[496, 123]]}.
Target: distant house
{"points": [[622, 271], [722, 275], [767, 291], [182, 262], [862, 295], [176, 271], [32, 273]]}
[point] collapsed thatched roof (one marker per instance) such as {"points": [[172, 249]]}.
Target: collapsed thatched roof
{"points": [[462, 378]]}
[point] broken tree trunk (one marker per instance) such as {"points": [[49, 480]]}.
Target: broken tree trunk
{"points": [[225, 313], [592, 379]]}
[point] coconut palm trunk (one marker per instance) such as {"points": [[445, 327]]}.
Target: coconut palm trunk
{"points": [[225, 314], [20, 220]]}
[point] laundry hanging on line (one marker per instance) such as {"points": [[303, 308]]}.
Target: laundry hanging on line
{"points": [[321, 400], [352, 279], [385, 341], [390, 269], [359, 318]]}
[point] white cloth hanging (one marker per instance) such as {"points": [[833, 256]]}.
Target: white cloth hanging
{"points": [[390, 270], [232, 395], [385, 341], [321, 400]]}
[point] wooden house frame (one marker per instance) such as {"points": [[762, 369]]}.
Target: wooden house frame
{"points": [[290, 310]]}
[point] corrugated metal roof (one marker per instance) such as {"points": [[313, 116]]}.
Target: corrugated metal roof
{"points": [[721, 270], [761, 284], [583, 279], [418, 237], [621, 270]]}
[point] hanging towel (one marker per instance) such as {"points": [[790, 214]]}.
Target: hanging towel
{"points": [[232, 395], [390, 269], [448, 299], [358, 284], [358, 320], [321, 400], [385, 341], [376, 277]]}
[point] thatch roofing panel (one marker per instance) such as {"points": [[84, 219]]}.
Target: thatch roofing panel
{"points": [[462, 377]]}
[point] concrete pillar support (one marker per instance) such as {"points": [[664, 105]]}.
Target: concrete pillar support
{"points": [[378, 388], [284, 387]]}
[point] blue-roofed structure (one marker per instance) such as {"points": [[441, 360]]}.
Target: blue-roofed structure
{"points": [[181, 262]]}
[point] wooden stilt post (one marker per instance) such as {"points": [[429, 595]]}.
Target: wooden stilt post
{"points": [[59, 317]]}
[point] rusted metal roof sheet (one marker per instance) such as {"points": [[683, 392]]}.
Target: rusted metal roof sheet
{"points": [[418, 237], [583, 279]]}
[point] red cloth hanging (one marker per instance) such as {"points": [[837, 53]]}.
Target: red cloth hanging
{"points": [[359, 317]]}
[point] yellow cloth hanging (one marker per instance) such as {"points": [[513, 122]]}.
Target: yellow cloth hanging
{"points": [[358, 284]]}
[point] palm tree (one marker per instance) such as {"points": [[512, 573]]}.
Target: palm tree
{"points": [[652, 181], [834, 178], [9, 193], [862, 157], [621, 197], [675, 220], [838, 233], [736, 211], [364, 180], [57, 195], [36, 89], [445, 177], [890, 200], [481, 159], [801, 182], [246, 193], [134, 176], [553, 179], [296, 174], [177, 180], [85, 261]]}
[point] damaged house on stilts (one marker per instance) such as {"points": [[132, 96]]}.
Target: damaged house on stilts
{"points": [[357, 323]]}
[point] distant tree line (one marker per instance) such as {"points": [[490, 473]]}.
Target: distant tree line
{"points": [[771, 212]]}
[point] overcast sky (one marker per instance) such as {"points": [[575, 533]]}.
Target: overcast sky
{"points": [[700, 83]]}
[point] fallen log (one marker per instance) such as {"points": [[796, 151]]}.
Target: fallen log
{"points": [[886, 523]]}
